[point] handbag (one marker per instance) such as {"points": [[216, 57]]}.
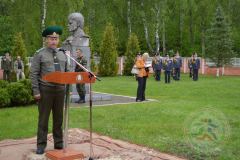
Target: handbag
{"points": [[135, 70]]}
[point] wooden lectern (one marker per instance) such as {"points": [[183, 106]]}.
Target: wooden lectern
{"points": [[67, 78]]}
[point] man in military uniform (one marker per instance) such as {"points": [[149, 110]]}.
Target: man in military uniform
{"points": [[6, 66], [50, 95], [167, 67], [177, 64], [195, 66], [19, 68], [158, 67], [80, 87], [190, 66]]}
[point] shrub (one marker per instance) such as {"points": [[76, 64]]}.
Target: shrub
{"points": [[3, 83], [4, 98], [19, 94]]}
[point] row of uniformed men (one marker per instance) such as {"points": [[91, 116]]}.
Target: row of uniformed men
{"points": [[173, 65], [6, 66]]}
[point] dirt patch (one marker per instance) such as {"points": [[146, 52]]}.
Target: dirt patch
{"points": [[104, 147]]}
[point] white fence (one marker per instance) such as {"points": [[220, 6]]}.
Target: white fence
{"points": [[236, 61]]}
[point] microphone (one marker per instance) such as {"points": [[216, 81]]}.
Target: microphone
{"points": [[63, 50]]}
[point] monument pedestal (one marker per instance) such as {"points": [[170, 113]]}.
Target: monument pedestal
{"points": [[87, 55]]}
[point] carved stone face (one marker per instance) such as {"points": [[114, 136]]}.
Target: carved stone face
{"points": [[72, 25]]}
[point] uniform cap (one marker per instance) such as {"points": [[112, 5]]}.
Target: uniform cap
{"points": [[79, 49], [7, 52], [52, 31], [195, 53], [138, 53]]}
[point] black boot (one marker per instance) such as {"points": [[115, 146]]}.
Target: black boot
{"points": [[82, 100], [77, 101]]}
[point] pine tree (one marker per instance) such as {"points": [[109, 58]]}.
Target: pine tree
{"points": [[220, 46], [132, 48], [19, 49], [108, 54]]}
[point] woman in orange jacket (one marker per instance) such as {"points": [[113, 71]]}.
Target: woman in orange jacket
{"points": [[142, 77]]}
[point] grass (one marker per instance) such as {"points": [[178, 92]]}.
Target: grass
{"points": [[157, 124]]}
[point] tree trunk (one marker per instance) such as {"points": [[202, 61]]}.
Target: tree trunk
{"points": [[203, 40], [190, 25], [146, 30], [157, 26], [128, 18], [163, 37], [181, 25], [43, 18], [217, 75]]}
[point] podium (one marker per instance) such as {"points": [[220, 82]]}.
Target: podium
{"points": [[69, 78]]}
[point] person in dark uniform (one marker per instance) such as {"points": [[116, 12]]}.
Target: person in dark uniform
{"points": [[80, 87], [50, 95], [158, 67], [195, 66], [167, 67], [177, 65], [142, 77], [173, 70], [6, 66], [190, 66]]}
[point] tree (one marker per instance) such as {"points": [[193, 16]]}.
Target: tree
{"points": [[19, 49], [108, 54], [132, 48], [220, 46], [5, 34]]}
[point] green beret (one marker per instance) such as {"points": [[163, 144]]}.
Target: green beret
{"points": [[52, 31], [79, 49]]}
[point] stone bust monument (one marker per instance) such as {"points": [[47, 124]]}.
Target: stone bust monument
{"points": [[75, 25]]}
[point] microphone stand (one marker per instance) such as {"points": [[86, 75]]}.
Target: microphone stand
{"points": [[90, 100]]}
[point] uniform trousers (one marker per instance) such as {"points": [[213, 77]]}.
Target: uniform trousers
{"points": [[191, 72], [81, 90], [6, 74], [141, 88], [167, 76], [177, 73], [195, 74], [19, 71], [52, 99], [158, 75]]}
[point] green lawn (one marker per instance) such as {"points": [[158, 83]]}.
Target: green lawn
{"points": [[157, 124]]}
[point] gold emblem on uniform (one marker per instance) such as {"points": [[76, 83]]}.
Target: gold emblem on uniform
{"points": [[79, 78], [54, 33]]}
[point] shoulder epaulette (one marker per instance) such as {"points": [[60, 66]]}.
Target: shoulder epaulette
{"points": [[39, 50]]}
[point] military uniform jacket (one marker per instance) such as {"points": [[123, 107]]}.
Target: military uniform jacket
{"points": [[190, 63], [167, 65], [83, 62], [6, 64], [43, 64], [196, 63], [157, 64], [16, 66], [177, 62]]}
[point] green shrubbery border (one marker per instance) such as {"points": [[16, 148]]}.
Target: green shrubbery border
{"points": [[15, 93]]}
